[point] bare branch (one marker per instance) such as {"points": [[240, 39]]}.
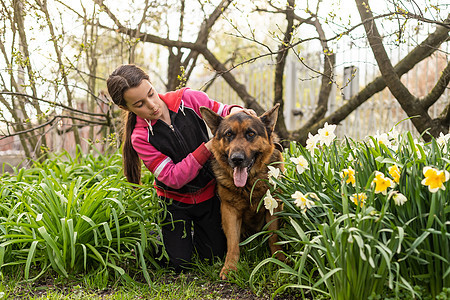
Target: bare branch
{"points": [[419, 53], [239, 88], [43, 6], [54, 103], [110, 14], [204, 31], [51, 121], [408, 102], [438, 89]]}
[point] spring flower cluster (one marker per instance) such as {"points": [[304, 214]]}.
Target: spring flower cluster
{"points": [[324, 136], [385, 182], [385, 199]]}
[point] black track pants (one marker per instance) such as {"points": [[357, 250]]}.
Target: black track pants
{"points": [[190, 228]]}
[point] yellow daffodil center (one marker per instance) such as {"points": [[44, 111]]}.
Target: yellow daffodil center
{"points": [[359, 199], [302, 200], [349, 174], [434, 178], [381, 183], [394, 171]]}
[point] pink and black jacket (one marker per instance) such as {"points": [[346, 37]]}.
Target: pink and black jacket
{"points": [[176, 154]]}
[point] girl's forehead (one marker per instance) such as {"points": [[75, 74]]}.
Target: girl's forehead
{"points": [[137, 93]]}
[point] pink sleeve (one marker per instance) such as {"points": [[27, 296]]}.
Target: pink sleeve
{"points": [[195, 99], [164, 169]]}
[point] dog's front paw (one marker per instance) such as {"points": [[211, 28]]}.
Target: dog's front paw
{"points": [[225, 270], [280, 256]]}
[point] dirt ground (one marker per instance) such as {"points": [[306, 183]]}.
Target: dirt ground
{"points": [[48, 289]]}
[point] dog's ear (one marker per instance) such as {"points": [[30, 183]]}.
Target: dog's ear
{"points": [[269, 118], [211, 118]]}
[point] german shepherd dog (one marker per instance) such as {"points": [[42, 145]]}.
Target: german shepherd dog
{"points": [[243, 146]]}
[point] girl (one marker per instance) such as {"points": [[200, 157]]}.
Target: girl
{"points": [[167, 133]]}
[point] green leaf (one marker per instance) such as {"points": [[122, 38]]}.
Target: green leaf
{"points": [[30, 258]]}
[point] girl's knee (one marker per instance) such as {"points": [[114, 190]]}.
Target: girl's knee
{"points": [[179, 264]]}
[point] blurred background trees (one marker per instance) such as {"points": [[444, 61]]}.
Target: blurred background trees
{"points": [[56, 57]]}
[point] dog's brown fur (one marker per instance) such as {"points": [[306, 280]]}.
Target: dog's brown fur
{"points": [[243, 141]]}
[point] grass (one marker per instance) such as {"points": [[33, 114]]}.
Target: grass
{"points": [[200, 282]]}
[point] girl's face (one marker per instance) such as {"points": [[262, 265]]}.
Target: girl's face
{"points": [[144, 101]]}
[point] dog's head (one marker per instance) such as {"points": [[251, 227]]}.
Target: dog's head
{"points": [[241, 141]]}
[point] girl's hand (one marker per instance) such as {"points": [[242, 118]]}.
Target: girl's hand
{"points": [[248, 111], [208, 145]]}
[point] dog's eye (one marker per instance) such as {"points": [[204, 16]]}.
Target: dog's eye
{"points": [[228, 134], [250, 134]]}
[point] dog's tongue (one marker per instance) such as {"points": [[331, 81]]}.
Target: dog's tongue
{"points": [[240, 176]]}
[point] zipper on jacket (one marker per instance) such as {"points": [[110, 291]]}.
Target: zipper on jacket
{"points": [[178, 136]]}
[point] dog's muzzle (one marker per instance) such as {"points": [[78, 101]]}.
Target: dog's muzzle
{"points": [[241, 166]]}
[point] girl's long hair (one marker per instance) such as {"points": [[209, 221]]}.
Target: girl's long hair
{"points": [[122, 79]]}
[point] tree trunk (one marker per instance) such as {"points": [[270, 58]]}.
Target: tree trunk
{"points": [[409, 103], [283, 51], [419, 53]]}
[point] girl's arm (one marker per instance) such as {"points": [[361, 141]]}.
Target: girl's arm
{"points": [[196, 99], [165, 170]]}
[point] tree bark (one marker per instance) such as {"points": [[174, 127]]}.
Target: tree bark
{"points": [[283, 51]]}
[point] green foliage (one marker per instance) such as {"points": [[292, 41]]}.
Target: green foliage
{"points": [[77, 215], [355, 229], [361, 220]]}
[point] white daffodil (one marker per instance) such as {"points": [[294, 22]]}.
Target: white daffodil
{"points": [[270, 203], [301, 163], [421, 145], [382, 138], [274, 173], [302, 201], [311, 142], [326, 134], [394, 134], [399, 198], [442, 141]]}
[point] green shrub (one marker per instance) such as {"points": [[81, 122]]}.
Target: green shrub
{"points": [[76, 215]]}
